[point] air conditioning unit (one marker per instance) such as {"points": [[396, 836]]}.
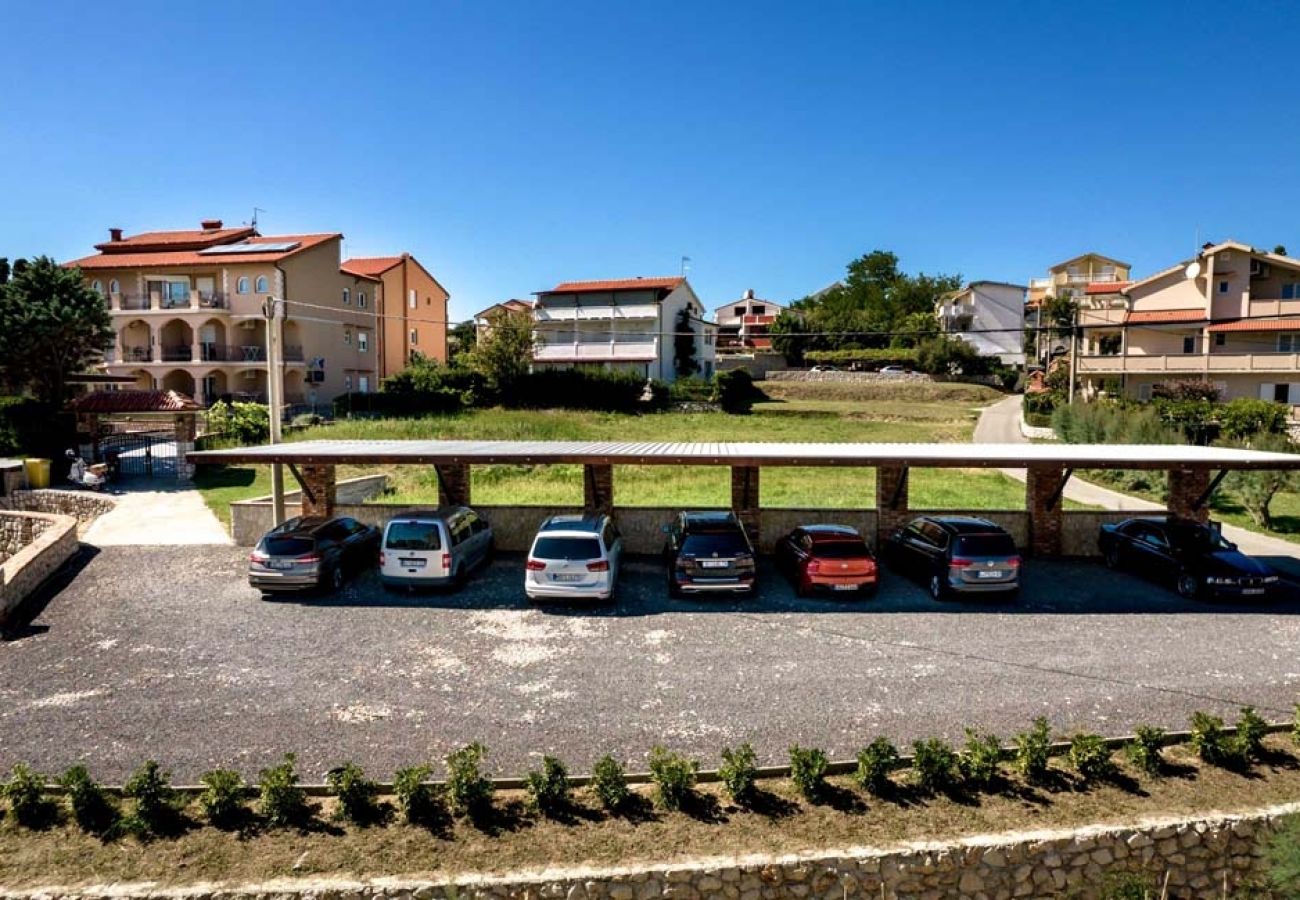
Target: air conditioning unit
{"points": [[1258, 268]]}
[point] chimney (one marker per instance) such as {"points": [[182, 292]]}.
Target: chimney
{"points": [[114, 235], [211, 224], [749, 294]]}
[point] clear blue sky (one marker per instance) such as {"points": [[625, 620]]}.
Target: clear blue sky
{"points": [[512, 145]]}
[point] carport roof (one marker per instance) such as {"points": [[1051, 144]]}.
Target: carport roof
{"points": [[431, 452]]}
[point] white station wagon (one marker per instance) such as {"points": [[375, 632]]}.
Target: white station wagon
{"points": [[574, 557]]}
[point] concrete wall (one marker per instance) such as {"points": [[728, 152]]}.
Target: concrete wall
{"points": [[32, 548]]}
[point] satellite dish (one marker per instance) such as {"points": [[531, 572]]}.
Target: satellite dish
{"points": [[1192, 270]]}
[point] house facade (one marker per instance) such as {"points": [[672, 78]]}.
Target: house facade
{"points": [[624, 325], [409, 304], [483, 318], [744, 324], [988, 315], [1070, 278], [1229, 315]]}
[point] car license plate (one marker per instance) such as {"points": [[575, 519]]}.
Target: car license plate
{"points": [[713, 564], [1252, 590], [279, 564], [566, 577], [846, 587], [412, 563], [992, 573]]}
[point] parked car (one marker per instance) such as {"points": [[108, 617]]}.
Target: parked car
{"points": [[955, 555], [574, 557], [893, 370], [829, 558], [312, 552], [824, 369], [1196, 558], [709, 552], [431, 548]]}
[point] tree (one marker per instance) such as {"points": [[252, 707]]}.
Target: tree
{"points": [[4, 270], [461, 339], [52, 325], [1280, 250], [1257, 488], [505, 351], [684, 346]]}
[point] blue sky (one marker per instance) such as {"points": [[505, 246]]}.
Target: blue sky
{"points": [[513, 145]]}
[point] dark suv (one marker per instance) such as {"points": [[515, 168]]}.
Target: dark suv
{"points": [[955, 554], [312, 552], [708, 552]]}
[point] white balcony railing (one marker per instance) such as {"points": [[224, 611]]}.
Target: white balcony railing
{"points": [[1217, 363], [595, 351], [1040, 283]]}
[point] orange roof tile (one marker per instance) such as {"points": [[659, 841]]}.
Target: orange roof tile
{"points": [[152, 258], [1166, 316], [369, 266], [1107, 287], [1258, 325], [176, 240], [621, 284], [107, 402]]}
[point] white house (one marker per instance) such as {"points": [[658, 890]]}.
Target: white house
{"points": [[623, 325], [743, 324], [988, 315]]}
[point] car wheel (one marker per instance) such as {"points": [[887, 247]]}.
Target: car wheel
{"points": [[937, 588], [1189, 586], [336, 578], [1112, 557]]}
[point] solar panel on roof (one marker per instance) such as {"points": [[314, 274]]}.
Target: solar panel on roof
{"points": [[268, 247]]}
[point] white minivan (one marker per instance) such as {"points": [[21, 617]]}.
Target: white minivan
{"points": [[431, 548], [574, 557]]}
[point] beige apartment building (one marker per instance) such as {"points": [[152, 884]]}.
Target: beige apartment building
{"points": [[187, 310], [1229, 315], [1070, 278]]}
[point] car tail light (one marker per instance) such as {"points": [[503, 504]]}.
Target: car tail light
{"points": [[257, 556], [307, 558], [960, 562], [600, 565], [533, 565], [814, 566], [1014, 562], [446, 562]]}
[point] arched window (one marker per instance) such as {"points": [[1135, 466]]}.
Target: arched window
{"points": [[114, 287], [262, 284], [241, 286], [97, 286], [361, 299], [347, 297]]}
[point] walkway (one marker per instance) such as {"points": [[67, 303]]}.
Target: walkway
{"points": [[156, 513]]}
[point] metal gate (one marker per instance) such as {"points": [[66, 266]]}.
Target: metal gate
{"points": [[140, 453]]}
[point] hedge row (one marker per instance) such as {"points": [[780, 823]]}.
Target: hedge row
{"points": [[887, 356]]}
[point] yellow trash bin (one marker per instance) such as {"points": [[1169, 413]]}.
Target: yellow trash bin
{"points": [[38, 472]]}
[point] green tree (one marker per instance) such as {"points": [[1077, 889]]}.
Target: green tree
{"points": [[52, 325], [505, 351], [1257, 488], [461, 339], [787, 339], [684, 346], [1280, 250], [4, 270]]}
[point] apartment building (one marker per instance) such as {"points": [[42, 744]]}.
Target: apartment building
{"points": [[1229, 315], [187, 311], [1070, 278], [410, 308], [988, 315], [483, 318], [620, 325], [743, 324]]}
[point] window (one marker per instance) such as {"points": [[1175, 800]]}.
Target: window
{"points": [[347, 382], [241, 286], [114, 287], [361, 299], [1291, 291], [1144, 392], [347, 297], [262, 286], [1223, 287], [363, 384], [363, 341], [1189, 344], [1288, 343], [1282, 393], [415, 337], [97, 287], [1220, 339], [760, 309], [347, 336], [413, 299]]}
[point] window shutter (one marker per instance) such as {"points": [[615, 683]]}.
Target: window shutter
{"points": [[1266, 391]]}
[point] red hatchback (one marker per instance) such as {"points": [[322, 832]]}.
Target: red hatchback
{"points": [[829, 558]]}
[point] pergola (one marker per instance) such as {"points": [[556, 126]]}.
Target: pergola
{"points": [[1194, 472]]}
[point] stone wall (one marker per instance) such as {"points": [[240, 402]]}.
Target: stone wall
{"points": [[1195, 857], [33, 546], [84, 506], [851, 377]]}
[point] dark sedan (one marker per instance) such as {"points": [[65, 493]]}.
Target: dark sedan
{"points": [[830, 558], [306, 553], [1197, 559]]}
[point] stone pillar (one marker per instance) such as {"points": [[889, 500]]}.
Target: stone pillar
{"points": [[598, 489], [319, 480], [744, 498], [1186, 487], [453, 485], [891, 499], [1044, 522], [184, 428]]}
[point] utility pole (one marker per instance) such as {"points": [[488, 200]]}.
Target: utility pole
{"points": [[1074, 349], [273, 311]]}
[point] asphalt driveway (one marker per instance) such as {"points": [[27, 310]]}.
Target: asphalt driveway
{"points": [[167, 653]]}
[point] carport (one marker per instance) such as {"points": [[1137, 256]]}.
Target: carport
{"points": [[1194, 472]]}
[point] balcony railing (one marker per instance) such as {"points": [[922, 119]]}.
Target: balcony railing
{"points": [[177, 353], [589, 350], [154, 300], [136, 354], [1212, 363], [1040, 283]]}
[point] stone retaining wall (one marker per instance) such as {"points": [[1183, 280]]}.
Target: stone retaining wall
{"points": [[84, 506], [1195, 857], [852, 377], [33, 546]]}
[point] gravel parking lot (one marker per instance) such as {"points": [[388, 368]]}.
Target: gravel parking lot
{"points": [[167, 653]]}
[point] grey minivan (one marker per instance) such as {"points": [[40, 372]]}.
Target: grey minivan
{"points": [[432, 548]]}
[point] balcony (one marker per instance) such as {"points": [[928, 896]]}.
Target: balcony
{"points": [[1190, 363], [138, 353], [596, 351], [177, 353], [1040, 284], [197, 300]]}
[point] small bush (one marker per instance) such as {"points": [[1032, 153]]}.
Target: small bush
{"points": [[1144, 750], [356, 794], [691, 388], [416, 798], [1033, 748], [281, 800], [1209, 740], [808, 771], [1251, 729], [548, 790], [1282, 856], [93, 812], [222, 799], [673, 776], [469, 791], [25, 793], [934, 764], [1090, 757], [609, 783], [875, 762], [979, 759], [155, 801], [739, 772], [735, 391]]}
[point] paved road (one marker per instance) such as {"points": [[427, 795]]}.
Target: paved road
{"points": [[156, 512], [166, 652]]}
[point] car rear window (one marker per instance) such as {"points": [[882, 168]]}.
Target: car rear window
{"points": [[287, 546], [985, 545], [566, 548], [413, 536], [839, 549], [727, 543]]}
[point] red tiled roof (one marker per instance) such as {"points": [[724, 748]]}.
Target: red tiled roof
{"points": [[105, 402], [1107, 287], [621, 284], [1258, 325], [509, 306], [1165, 316], [369, 266], [176, 240], [150, 259]]}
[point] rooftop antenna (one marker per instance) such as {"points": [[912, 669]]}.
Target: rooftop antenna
{"points": [[256, 210], [686, 265]]}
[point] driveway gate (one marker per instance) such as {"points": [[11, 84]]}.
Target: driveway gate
{"points": [[141, 453]]}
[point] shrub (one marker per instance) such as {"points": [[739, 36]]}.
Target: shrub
{"points": [[872, 358], [1091, 757], [222, 799], [548, 790], [281, 800], [25, 793], [469, 791], [1250, 734], [1144, 750], [415, 403], [808, 771], [673, 776], [942, 355], [1282, 854], [246, 423], [356, 794], [577, 389], [415, 796], [739, 772], [735, 391], [155, 801], [1033, 748], [609, 783], [1208, 739], [91, 808], [875, 762], [979, 759], [691, 388], [1245, 417], [934, 764]]}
